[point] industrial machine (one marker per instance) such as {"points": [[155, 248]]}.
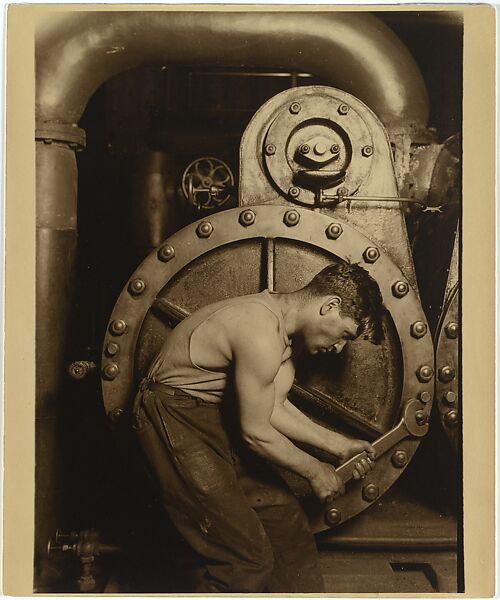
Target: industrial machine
{"points": [[245, 162]]}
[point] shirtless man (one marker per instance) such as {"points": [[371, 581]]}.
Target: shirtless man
{"points": [[235, 359]]}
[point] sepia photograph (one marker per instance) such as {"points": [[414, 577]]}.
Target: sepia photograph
{"points": [[248, 301]]}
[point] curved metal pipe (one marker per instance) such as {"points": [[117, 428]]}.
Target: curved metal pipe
{"points": [[354, 51]]}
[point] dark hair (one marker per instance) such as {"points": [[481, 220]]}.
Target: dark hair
{"points": [[361, 297]]}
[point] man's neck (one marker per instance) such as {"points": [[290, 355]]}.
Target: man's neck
{"points": [[290, 306]]}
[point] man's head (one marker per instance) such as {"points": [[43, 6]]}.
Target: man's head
{"points": [[340, 303]]}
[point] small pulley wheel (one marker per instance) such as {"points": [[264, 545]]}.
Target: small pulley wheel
{"points": [[207, 183]]}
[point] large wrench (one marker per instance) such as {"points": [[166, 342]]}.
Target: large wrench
{"points": [[414, 423]]}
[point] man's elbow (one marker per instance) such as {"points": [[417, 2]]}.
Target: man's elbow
{"points": [[256, 438]]}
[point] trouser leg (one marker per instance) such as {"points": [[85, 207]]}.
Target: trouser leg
{"points": [[201, 493], [296, 560]]}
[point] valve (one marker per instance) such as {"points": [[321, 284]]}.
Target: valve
{"points": [[86, 546], [207, 183]]}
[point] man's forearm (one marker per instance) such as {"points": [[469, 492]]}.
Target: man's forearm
{"points": [[272, 445], [292, 423]]}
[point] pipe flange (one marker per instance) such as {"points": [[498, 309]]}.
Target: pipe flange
{"points": [[270, 222], [71, 135], [319, 146], [447, 395]]}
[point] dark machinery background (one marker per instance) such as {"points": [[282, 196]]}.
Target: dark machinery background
{"points": [[147, 129]]}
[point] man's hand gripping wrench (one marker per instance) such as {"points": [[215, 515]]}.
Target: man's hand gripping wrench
{"points": [[413, 423]]}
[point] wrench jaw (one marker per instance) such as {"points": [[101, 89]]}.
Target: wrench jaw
{"points": [[416, 418]]}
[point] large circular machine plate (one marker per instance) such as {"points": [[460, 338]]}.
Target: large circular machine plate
{"points": [[447, 392], [242, 251], [322, 116]]}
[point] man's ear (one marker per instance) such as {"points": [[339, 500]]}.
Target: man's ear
{"points": [[332, 302]]}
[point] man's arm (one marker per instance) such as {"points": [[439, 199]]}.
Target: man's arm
{"points": [[290, 421], [257, 358]]}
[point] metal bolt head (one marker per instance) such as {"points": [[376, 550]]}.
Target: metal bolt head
{"points": [[425, 373], [446, 374], [333, 516], [295, 108], [136, 287], [418, 329], [166, 253], [204, 229], [367, 151], [451, 330], [451, 418], [294, 192], [421, 418], [305, 149], [118, 327], [343, 109], [112, 348], [335, 149], [116, 414], [291, 218], [247, 217], [370, 492], [399, 459], [334, 231], [270, 149], [424, 397], [78, 369], [320, 148], [449, 397], [110, 371], [371, 255], [400, 289]]}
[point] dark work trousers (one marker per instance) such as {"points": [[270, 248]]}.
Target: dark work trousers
{"points": [[246, 524]]}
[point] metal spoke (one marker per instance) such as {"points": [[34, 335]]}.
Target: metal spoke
{"points": [[270, 266]]}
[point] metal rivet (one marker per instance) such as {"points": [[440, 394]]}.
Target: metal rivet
{"points": [[451, 330], [367, 151], [291, 218], [418, 329], [136, 287], [247, 217], [400, 289], [370, 492], [112, 348], [449, 397], [118, 327], [305, 149], [166, 253], [425, 373], [424, 397], [294, 192], [371, 255], [270, 149], [116, 414], [110, 371], [451, 418], [335, 149], [399, 459], [334, 231], [333, 516], [204, 229], [343, 109], [446, 374], [320, 148], [295, 108], [421, 418]]}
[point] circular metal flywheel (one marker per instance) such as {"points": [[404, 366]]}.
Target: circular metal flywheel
{"points": [[447, 393], [362, 392]]}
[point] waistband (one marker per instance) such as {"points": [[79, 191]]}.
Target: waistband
{"points": [[163, 388]]}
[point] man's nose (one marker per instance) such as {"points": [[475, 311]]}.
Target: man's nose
{"points": [[339, 346]]}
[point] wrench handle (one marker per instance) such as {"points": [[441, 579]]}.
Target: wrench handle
{"points": [[381, 445]]}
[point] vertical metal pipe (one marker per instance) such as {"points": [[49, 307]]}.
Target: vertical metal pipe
{"points": [[56, 176]]}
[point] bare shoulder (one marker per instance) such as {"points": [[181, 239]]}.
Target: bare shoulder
{"points": [[251, 328]]}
